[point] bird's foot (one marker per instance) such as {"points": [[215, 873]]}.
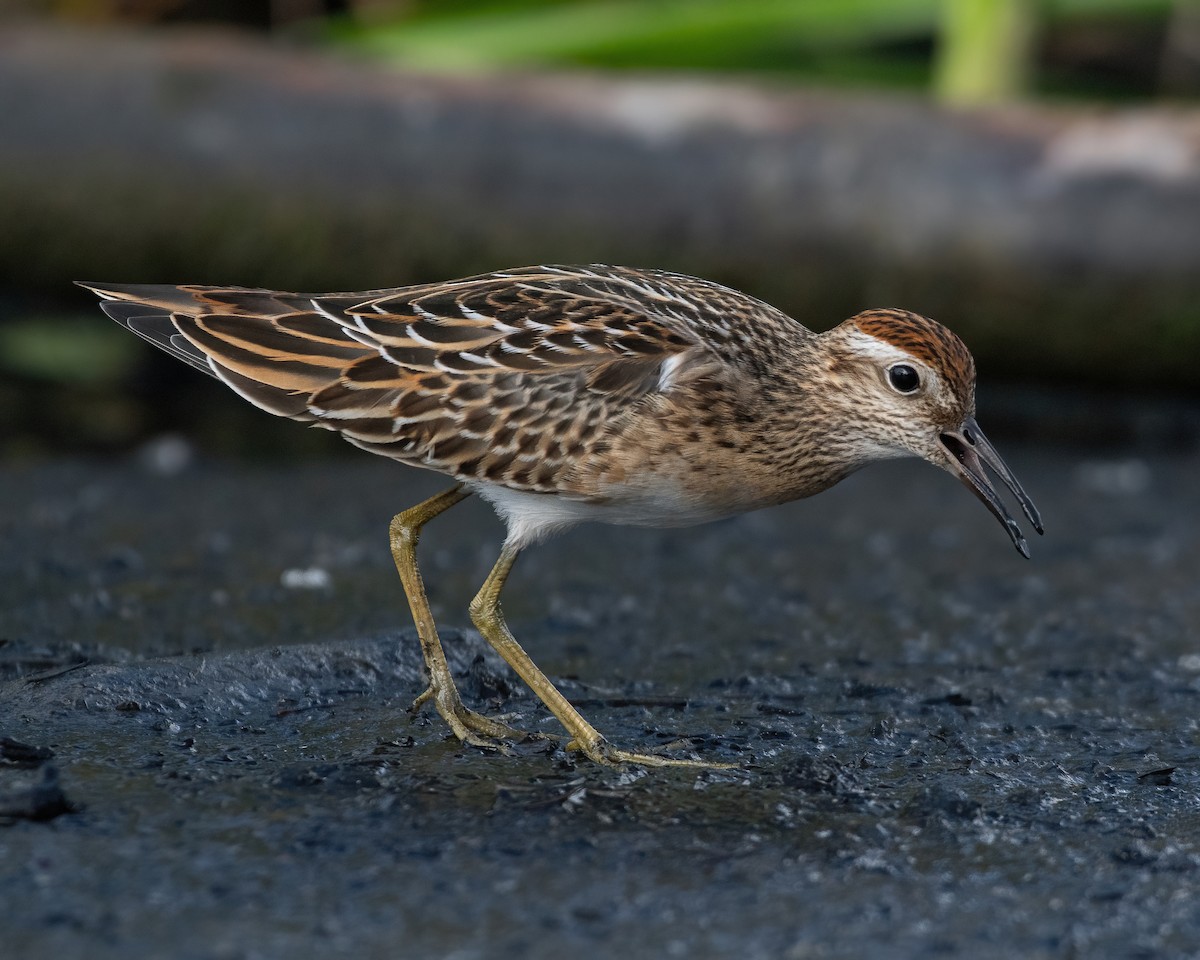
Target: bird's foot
{"points": [[602, 752], [470, 727]]}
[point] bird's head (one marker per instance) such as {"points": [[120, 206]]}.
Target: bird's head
{"points": [[908, 384]]}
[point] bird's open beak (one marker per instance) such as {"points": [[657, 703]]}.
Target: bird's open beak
{"points": [[969, 450]]}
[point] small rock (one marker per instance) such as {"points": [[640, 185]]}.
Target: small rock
{"points": [[310, 578], [42, 799], [167, 456]]}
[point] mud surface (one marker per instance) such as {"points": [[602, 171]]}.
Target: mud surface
{"points": [[941, 749]]}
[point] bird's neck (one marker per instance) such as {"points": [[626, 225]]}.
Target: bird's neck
{"points": [[819, 437]]}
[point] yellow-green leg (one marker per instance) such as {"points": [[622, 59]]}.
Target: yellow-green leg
{"points": [[486, 615], [468, 726]]}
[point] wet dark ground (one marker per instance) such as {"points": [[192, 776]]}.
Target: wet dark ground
{"points": [[942, 749]]}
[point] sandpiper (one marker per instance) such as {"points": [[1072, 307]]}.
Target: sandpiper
{"points": [[569, 393]]}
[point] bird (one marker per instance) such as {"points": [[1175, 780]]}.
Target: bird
{"points": [[564, 394]]}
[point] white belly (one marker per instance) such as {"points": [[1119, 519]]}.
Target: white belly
{"points": [[534, 516]]}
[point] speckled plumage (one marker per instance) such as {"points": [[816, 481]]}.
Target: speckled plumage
{"points": [[512, 377], [563, 394]]}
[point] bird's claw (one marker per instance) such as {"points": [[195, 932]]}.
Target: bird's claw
{"points": [[602, 752], [470, 727]]}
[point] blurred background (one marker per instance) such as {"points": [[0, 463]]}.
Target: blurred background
{"points": [[1026, 171]]}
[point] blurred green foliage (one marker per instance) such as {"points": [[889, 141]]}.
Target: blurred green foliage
{"points": [[75, 349], [965, 51], [977, 47], [767, 35], [984, 49]]}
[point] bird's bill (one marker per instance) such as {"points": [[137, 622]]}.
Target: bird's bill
{"points": [[969, 451]]}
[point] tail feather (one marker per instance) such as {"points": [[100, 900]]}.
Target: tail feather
{"points": [[273, 348], [153, 324]]}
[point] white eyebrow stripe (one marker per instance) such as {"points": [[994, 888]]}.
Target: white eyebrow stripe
{"points": [[887, 354], [880, 350]]}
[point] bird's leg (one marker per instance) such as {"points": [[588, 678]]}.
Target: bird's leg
{"points": [[486, 615], [467, 725]]}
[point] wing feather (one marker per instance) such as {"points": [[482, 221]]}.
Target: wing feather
{"points": [[505, 377]]}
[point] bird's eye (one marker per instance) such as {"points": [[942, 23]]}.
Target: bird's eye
{"points": [[904, 378]]}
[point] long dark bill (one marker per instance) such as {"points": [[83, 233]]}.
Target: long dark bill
{"points": [[969, 451]]}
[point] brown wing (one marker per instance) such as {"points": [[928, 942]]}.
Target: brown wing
{"points": [[504, 377]]}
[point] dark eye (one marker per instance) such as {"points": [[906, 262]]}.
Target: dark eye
{"points": [[904, 378]]}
